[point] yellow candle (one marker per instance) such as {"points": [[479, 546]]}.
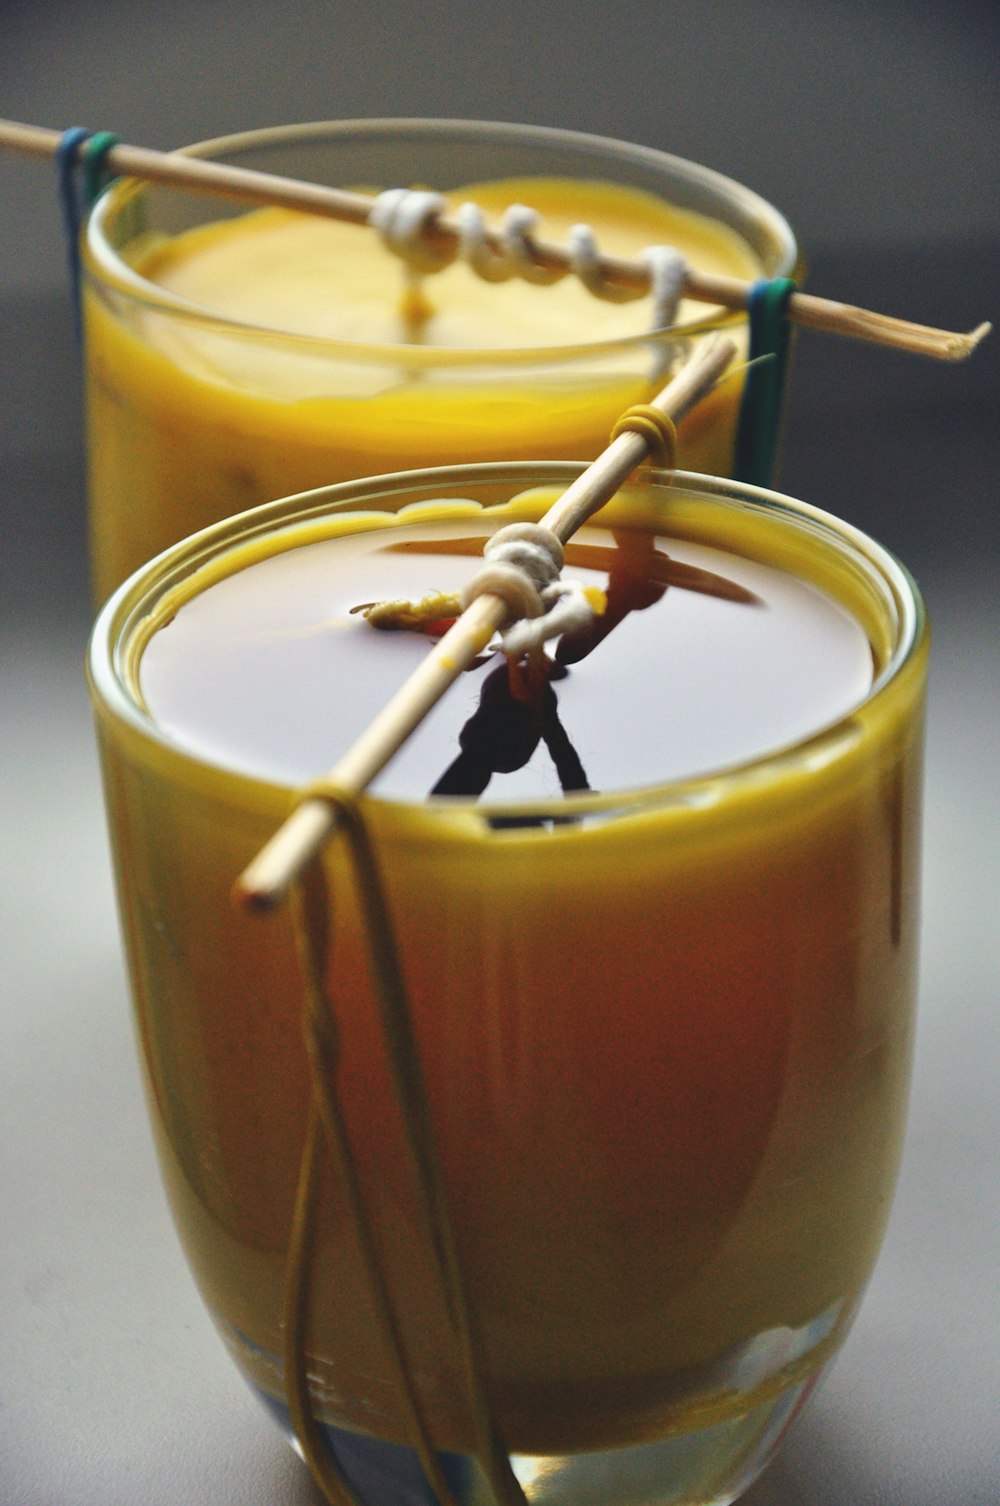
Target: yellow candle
{"points": [[666, 1041], [234, 360]]}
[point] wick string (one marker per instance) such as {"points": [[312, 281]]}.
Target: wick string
{"points": [[310, 907], [325, 1470], [404, 1063], [403, 217]]}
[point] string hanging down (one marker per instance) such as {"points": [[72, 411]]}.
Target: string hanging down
{"points": [[443, 235], [267, 878]]}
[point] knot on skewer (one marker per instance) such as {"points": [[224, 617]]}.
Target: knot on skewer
{"points": [[402, 217], [517, 230], [475, 249], [668, 272], [522, 567], [518, 255]]}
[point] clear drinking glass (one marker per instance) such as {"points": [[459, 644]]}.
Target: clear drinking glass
{"points": [[195, 413], [664, 1034]]}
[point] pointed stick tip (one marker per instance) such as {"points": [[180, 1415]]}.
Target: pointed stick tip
{"points": [[975, 337]]}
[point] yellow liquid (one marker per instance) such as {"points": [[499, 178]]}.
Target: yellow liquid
{"points": [[190, 422], [666, 1048]]}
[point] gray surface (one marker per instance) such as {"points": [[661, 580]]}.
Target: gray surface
{"points": [[874, 128]]}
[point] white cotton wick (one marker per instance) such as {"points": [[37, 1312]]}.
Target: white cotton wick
{"points": [[668, 271], [401, 216], [567, 609], [516, 231], [525, 554], [521, 565], [474, 249], [585, 260]]}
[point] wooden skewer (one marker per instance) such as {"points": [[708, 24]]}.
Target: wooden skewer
{"points": [[268, 875], [204, 175]]}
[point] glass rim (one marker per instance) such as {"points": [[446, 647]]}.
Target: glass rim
{"points": [[103, 266], [112, 645]]}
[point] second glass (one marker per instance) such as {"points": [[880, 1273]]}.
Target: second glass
{"points": [[224, 368]]}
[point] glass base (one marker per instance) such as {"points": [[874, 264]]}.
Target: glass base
{"points": [[707, 1466]]}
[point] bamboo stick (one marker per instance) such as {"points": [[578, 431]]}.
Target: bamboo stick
{"points": [[267, 877], [206, 176]]}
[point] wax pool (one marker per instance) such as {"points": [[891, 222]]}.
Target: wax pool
{"points": [[665, 1040], [703, 659], [314, 376]]}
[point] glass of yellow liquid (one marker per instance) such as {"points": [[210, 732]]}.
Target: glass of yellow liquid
{"points": [[236, 353], [655, 919]]}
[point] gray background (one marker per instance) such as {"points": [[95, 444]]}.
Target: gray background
{"points": [[874, 128]]}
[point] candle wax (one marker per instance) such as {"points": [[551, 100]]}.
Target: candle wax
{"points": [[702, 660], [666, 1050]]}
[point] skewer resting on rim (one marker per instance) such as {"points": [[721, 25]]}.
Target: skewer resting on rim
{"points": [[265, 880], [206, 176]]}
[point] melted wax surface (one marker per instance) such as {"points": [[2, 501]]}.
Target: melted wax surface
{"points": [[704, 659]]}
